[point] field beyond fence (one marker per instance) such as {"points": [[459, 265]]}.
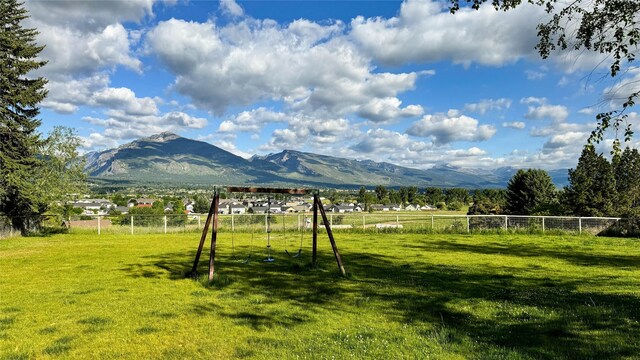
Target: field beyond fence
{"points": [[349, 222]]}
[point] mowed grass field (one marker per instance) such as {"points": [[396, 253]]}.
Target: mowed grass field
{"points": [[416, 296]]}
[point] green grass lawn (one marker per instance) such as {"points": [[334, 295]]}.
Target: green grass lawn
{"points": [[407, 296]]}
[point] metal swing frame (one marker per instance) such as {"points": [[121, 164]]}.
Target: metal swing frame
{"points": [[213, 215]]}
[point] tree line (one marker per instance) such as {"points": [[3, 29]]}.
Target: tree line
{"points": [[597, 187], [444, 199]]}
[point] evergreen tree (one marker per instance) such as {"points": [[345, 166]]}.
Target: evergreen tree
{"points": [[457, 195], [403, 194], [394, 197], [530, 192], [201, 205], [412, 194], [433, 196], [362, 195], [592, 186], [626, 168], [381, 192], [19, 98], [488, 201]]}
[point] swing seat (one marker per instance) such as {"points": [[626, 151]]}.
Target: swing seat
{"points": [[294, 255]]}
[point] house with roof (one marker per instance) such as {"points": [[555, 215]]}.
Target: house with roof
{"points": [[304, 207], [258, 210], [188, 208], [141, 202], [94, 206], [237, 209], [395, 207], [379, 207], [341, 209]]}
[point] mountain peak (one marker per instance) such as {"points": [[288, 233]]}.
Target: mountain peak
{"points": [[162, 137]]}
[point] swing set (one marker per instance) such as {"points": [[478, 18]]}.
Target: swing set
{"points": [[213, 217]]}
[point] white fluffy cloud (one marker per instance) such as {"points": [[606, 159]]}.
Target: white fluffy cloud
{"points": [[562, 128], [94, 91], [488, 104], [67, 96], [71, 51], [126, 100], [230, 7], [387, 141], [444, 129], [553, 112], [89, 15], [251, 121], [539, 109], [303, 131], [618, 93], [569, 140], [308, 66], [424, 31], [514, 125], [98, 141], [470, 152], [122, 126], [387, 109]]}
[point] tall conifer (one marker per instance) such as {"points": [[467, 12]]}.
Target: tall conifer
{"points": [[592, 186], [19, 99]]}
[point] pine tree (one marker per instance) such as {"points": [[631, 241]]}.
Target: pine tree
{"points": [[19, 98], [592, 186], [530, 192], [626, 168]]}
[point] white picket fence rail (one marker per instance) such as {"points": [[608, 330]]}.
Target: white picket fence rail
{"points": [[362, 222]]}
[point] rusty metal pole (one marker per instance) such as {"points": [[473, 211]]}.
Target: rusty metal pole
{"points": [[331, 239], [203, 237], [214, 234], [314, 247]]}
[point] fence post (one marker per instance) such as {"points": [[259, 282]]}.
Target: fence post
{"points": [[266, 222], [331, 220], [506, 222], [131, 224], [364, 224], [468, 227], [98, 224], [431, 221], [233, 225], [397, 221], [580, 225], [199, 225], [298, 222], [543, 224], [165, 224]]}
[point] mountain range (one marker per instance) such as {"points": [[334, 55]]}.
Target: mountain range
{"points": [[169, 159]]}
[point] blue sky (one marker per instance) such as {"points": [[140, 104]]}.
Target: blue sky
{"points": [[402, 82]]}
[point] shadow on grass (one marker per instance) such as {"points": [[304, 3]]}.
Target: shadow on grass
{"points": [[576, 257], [525, 316]]}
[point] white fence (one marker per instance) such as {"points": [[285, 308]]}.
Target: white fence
{"points": [[360, 222]]}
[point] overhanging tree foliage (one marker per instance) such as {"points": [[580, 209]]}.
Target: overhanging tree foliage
{"points": [[19, 98], [609, 27]]}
